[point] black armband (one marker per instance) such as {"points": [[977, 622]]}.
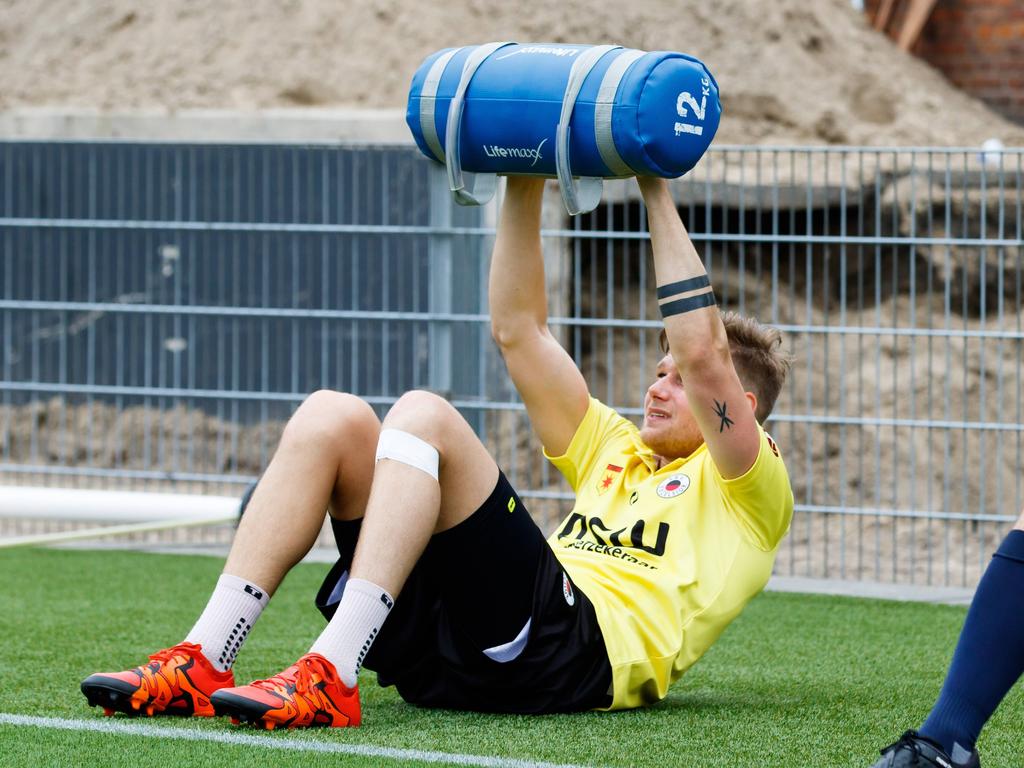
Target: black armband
{"points": [[672, 289], [681, 306]]}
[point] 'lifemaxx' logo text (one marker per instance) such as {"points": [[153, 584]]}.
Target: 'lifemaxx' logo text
{"points": [[523, 153]]}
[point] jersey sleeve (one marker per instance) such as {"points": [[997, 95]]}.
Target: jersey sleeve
{"points": [[761, 500], [599, 427]]}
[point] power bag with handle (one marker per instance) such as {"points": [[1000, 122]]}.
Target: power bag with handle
{"points": [[569, 111]]}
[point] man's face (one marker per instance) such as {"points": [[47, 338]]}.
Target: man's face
{"points": [[669, 428]]}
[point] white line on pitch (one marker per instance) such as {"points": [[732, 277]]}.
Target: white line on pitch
{"points": [[184, 734]]}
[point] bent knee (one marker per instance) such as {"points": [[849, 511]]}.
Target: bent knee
{"points": [[422, 412], [329, 416]]}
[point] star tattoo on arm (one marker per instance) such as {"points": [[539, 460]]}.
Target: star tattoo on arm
{"points": [[726, 422]]}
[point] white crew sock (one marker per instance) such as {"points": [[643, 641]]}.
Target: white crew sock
{"points": [[224, 624], [348, 636]]}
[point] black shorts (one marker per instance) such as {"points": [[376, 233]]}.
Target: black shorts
{"points": [[474, 588]]}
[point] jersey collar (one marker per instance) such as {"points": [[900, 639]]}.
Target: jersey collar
{"points": [[646, 455]]}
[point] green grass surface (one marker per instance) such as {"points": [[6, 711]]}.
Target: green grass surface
{"points": [[796, 681]]}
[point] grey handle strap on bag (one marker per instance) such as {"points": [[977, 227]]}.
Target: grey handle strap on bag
{"points": [[483, 184], [428, 103], [587, 194]]}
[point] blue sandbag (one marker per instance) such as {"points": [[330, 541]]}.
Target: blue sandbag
{"points": [[562, 110]]}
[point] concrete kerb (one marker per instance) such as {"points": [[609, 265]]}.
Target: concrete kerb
{"points": [[271, 126], [880, 591]]}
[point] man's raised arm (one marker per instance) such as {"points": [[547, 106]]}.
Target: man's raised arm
{"points": [[547, 379], [697, 338]]}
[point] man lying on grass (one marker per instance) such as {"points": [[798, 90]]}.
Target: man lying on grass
{"points": [[445, 586]]}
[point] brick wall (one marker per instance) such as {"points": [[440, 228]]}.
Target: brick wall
{"points": [[977, 44]]}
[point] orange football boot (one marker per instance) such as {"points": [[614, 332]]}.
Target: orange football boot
{"points": [[176, 681], [308, 694]]}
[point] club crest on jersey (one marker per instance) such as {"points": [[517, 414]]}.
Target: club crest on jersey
{"points": [[673, 486], [567, 593], [608, 478]]}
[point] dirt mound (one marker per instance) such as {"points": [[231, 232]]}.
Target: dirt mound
{"points": [[789, 71]]}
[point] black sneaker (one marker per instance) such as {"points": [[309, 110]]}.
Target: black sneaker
{"points": [[916, 751]]}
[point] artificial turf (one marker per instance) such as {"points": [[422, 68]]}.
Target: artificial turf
{"points": [[797, 680]]}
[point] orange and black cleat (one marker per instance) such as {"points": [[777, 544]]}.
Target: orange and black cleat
{"points": [[176, 681], [308, 694]]}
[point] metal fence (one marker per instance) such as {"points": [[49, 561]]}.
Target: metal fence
{"points": [[164, 308]]}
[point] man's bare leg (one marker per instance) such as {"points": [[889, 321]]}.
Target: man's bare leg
{"points": [[406, 500], [325, 459], [431, 473], [407, 505]]}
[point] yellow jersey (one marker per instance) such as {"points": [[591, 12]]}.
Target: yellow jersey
{"points": [[667, 556]]}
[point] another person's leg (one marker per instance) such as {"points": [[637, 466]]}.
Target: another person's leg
{"points": [[432, 473], [325, 459], [988, 660]]}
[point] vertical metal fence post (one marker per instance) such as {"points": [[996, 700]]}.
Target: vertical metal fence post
{"points": [[439, 371]]}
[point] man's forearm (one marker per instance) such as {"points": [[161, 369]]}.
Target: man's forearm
{"points": [[518, 297], [685, 296]]}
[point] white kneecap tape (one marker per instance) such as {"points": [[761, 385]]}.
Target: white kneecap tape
{"points": [[401, 446]]}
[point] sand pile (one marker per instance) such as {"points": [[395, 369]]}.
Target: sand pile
{"points": [[789, 71]]}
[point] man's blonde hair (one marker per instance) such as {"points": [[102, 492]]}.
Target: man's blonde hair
{"points": [[758, 357]]}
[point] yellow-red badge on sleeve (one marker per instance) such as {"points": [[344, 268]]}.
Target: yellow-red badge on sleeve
{"points": [[608, 477]]}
